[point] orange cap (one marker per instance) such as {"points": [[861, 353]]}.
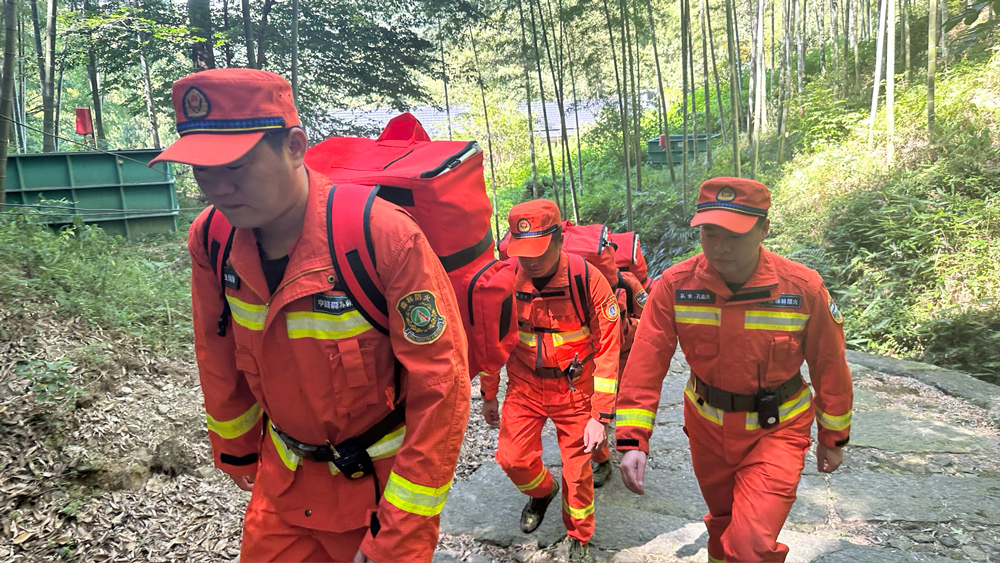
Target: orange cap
{"points": [[222, 113], [532, 224], [731, 203]]}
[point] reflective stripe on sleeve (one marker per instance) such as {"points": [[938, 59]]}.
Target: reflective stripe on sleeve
{"points": [[324, 326], [605, 384], [527, 338], [246, 314], [640, 418], [833, 422], [236, 427], [786, 411], [775, 320], [706, 410], [694, 314], [413, 498], [577, 513]]}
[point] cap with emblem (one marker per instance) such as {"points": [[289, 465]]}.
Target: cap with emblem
{"points": [[532, 224], [731, 203], [223, 113]]}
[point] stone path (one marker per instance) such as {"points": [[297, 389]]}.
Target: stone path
{"points": [[920, 483]]}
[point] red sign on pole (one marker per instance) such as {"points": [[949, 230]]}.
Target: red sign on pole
{"points": [[84, 124]]}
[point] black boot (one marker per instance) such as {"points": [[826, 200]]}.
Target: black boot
{"points": [[534, 511], [601, 472]]}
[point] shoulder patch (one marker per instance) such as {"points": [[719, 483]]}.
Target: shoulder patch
{"points": [[422, 324], [641, 298], [694, 296], [834, 311], [610, 308], [784, 301]]}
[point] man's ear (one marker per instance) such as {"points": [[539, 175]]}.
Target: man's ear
{"points": [[297, 144]]}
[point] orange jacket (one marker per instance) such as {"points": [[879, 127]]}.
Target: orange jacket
{"points": [[780, 317], [309, 361], [548, 317], [631, 312]]}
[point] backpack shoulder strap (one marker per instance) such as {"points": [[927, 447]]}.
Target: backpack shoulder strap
{"points": [[629, 294], [353, 252], [217, 230], [579, 287]]}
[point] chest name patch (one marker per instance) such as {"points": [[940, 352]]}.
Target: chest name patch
{"points": [[694, 296], [332, 304], [229, 278], [641, 298], [422, 324], [784, 301]]}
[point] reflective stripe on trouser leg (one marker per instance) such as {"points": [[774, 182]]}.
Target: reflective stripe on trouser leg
{"points": [[577, 477], [519, 446], [748, 480]]}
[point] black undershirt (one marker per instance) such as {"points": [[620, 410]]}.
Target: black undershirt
{"points": [[734, 287], [274, 270], [540, 283]]}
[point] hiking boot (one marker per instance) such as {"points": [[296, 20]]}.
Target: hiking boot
{"points": [[579, 552], [534, 511], [602, 471]]}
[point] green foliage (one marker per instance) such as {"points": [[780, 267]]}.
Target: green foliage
{"points": [[140, 288], [50, 380]]}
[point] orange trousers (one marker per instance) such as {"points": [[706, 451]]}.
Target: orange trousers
{"points": [[519, 453], [748, 479], [267, 537]]}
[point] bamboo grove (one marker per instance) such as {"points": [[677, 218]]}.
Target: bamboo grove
{"points": [[728, 70]]}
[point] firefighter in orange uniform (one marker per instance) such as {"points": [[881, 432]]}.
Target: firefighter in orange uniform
{"points": [[745, 319], [305, 400], [564, 368]]}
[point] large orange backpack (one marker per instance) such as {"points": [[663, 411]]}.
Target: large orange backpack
{"points": [[440, 183]]}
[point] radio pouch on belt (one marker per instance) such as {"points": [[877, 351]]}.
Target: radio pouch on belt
{"points": [[767, 407], [352, 460]]}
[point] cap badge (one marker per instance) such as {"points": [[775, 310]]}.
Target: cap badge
{"points": [[523, 225], [725, 194], [196, 105]]}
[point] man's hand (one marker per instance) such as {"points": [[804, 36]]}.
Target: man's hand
{"points": [[828, 459], [244, 482], [360, 557], [633, 468], [593, 435], [491, 412]]}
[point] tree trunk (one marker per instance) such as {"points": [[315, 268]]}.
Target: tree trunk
{"points": [[906, 41], [877, 84], [202, 52], [576, 113], [7, 90], [703, 8], [659, 88], [802, 46], [527, 94], [489, 134], [890, 80], [95, 91], [847, 44], [694, 83], [931, 65], [541, 95], [248, 34], [147, 84], [633, 65], [758, 90], [265, 11], [715, 74], [227, 47], [821, 26], [786, 83], [295, 50], [558, 87], [835, 41], [621, 113], [685, 29], [942, 36], [733, 92]]}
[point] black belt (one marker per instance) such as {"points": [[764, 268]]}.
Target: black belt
{"points": [[735, 402], [352, 447], [557, 373]]}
